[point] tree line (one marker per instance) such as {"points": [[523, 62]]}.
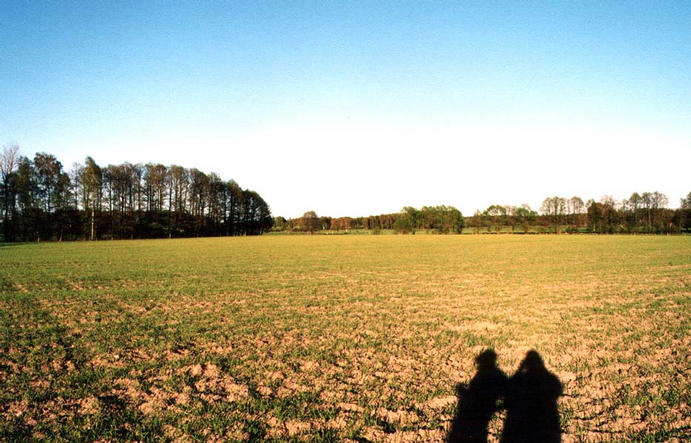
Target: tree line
{"points": [[42, 201], [644, 213], [438, 219]]}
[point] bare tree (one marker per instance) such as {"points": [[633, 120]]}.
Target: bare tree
{"points": [[555, 207], [659, 200], [608, 200], [576, 205], [8, 160]]}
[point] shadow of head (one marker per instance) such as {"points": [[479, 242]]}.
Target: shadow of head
{"points": [[486, 360], [532, 363], [486, 364]]}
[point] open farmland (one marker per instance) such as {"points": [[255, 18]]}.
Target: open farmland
{"points": [[335, 337]]}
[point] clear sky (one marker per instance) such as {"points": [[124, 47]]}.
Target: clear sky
{"points": [[358, 108]]}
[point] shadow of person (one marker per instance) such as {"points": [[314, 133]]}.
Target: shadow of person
{"points": [[531, 403], [478, 401]]}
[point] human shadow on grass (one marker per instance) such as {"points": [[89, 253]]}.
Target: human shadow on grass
{"points": [[532, 414], [477, 401], [529, 397]]}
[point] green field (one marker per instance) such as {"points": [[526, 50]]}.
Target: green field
{"points": [[338, 337]]}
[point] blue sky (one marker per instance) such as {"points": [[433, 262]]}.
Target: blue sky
{"points": [[355, 108]]}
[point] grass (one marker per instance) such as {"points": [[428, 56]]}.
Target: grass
{"points": [[333, 337]]}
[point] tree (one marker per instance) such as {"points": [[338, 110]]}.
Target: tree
{"points": [[685, 213], [310, 221], [595, 216], [92, 182], [61, 203], [658, 203], [575, 205], [554, 207], [235, 206], [8, 162], [26, 199], [48, 171], [442, 219], [497, 216], [341, 224], [408, 220], [39, 200], [258, 215], [659, 200], [525, 216], [510, 217], [632, 206], [179, 181], [608, 200], [218, 201], [685, 203], [635, 202], [280, 223], [477, 221], [576, 209], [647, 202], [198, 197], [138, 185]]}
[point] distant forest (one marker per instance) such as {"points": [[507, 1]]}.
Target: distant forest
{"points": [[644, 213], [41, 201]]}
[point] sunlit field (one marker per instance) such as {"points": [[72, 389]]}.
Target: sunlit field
{"points": [[338, 337]]}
